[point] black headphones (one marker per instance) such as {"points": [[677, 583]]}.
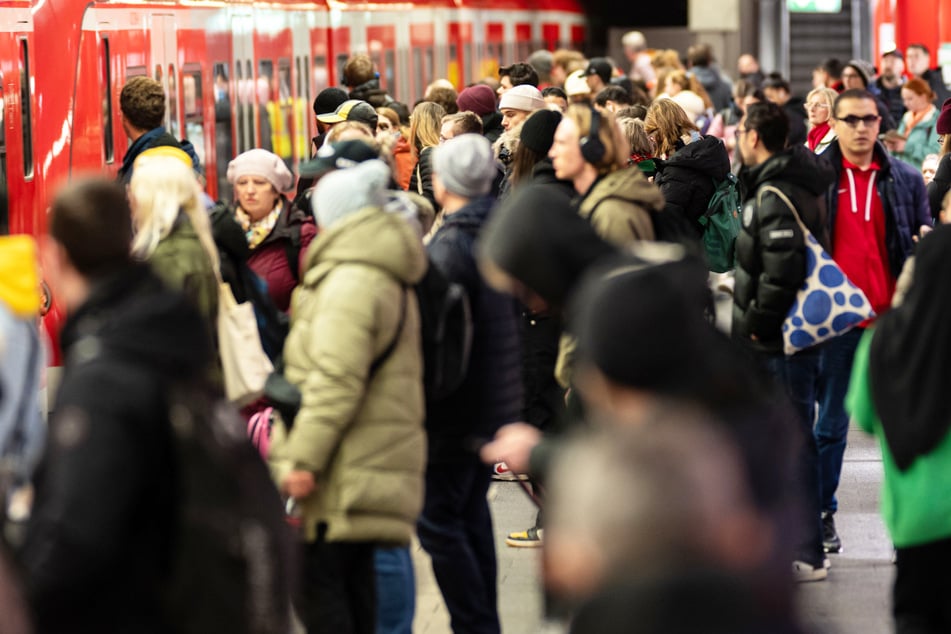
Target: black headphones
{"points": [[592, 149]]}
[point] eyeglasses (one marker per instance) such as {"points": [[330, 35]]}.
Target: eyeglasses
{"points": [[739, 131], [853, 121], [812, 106]]}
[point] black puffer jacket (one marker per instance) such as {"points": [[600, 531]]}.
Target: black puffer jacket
{"points": [[687, 178], [96, 551], [491, 394], [770, 250], [492, 126], [421, 181], [371, 93]]}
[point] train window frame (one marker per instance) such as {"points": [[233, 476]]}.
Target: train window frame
{"points": [[106, 81], [224, 120], [193, 105], [320, 61], [285, 104], [26, 114], [135, 71], [251, 125], [173, 127], [4, 187], [267, 141]]}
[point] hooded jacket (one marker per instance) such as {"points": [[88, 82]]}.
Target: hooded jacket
{"points": [[771, 250], [618, 206], [361, 434], [269, 260], [903, 196], [688, 178], [371, 93], [97, 543], [491, 394]]}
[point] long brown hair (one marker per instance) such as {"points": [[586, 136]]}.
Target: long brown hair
{"points": [[666, 122]]}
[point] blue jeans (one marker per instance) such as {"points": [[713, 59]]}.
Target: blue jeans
{"points": [[395, 590], [832, 426], [455, 528], [798, 376]]}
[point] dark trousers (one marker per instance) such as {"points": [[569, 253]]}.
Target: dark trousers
{"points": [[798, 376], [922, 592], [455, 528], [338, 593], [832, 426]]}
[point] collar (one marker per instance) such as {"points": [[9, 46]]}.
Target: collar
{"points": [[849, 165]]}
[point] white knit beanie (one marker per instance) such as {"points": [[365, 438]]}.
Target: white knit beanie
{"points": [[344, 192]]}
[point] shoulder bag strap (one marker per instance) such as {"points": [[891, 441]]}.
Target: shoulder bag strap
{"points": [[380, 360], [785, 199]]}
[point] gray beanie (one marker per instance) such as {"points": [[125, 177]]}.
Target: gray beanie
{"points": [[344, 192], [465, 165]]}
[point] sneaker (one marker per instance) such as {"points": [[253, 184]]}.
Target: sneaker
{"points": [[830, 538], [804, 572], [531, 538], [501, 471]]}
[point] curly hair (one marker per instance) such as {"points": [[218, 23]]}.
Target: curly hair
{"points": [[142, 102], [666, 122], [445, 97], [358, 70]]}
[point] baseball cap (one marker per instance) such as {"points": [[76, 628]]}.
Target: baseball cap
{"points": [[351, 110], [601, 67], [896, 52], [339, 155]]}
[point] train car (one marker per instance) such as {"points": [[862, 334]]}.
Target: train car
{"points": [[237, 75]]}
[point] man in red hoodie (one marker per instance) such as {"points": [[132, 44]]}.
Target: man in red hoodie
{"points": [[878, 208]]}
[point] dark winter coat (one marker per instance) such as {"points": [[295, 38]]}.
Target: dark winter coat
{"points": [[903, 196], [719, 90], [938, 187], [421, 181], [491, 394], [270, 261], [687, 178], [770, 250], [798, 130], [156, 137], [892, 99], [96, 549], [492, 126], [371, 93]]}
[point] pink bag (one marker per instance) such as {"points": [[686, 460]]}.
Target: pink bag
{"points": [[259, 430]]}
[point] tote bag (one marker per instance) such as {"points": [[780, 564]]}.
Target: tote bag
{"points": [[244, 363], [828, 304]]}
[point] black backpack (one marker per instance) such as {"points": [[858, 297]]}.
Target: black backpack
{"points": [[231, 549], [446, 333]]}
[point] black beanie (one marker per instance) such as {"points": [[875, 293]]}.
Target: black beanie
{"points": [[538, 131]]}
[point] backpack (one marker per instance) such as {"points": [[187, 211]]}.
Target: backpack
{"points": [[721, 224], [231, 550], [446, 333]]}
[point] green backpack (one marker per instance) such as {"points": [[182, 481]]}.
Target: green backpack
{"points": [[721, 224]]}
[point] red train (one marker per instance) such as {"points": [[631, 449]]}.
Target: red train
{"points": [[231, 70]]}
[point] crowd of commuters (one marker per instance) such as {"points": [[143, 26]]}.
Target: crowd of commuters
{"points": [[567, 200]]}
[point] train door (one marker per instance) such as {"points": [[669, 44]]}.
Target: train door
{"points": [[245, 131], [164, 69]]}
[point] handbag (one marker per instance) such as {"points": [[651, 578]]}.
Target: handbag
{"points": [[827, 304], [244, 363]]}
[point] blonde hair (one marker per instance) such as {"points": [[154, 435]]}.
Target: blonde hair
{"points": [[826, 95], [163, 187], [615, 153], [666, 123], [351, 130], [424, 125]]}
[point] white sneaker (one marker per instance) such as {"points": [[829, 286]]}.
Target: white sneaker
{"points": [[804, 572]]}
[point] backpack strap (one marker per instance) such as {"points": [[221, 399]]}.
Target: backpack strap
{"points": [[292, 251], [380, 360]]}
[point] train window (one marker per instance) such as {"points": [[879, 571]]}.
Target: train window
{"points": [[321, 80], [252, 139], [341, 62], [267, 106], [172, 91], [105, 80], [239, 105], [467, 60], [429, 71], [224, 145], [524, 50], [388, 72], [26, 117], [282, 122], [136, 71], [4, 196], [158, 73], [301, 99], [193, 98]]}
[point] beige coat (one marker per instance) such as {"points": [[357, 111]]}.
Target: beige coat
{"points": [[361, 435], [618, 207]]}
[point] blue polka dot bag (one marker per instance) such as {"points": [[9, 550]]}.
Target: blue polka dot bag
{"points": [[828, 304]]}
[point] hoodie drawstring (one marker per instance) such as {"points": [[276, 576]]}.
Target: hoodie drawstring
{"points": [[868, 194]]}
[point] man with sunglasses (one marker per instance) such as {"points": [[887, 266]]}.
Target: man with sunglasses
{"points": [[878, 208]]}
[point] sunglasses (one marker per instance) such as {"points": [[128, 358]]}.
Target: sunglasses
{"points": [[853, 121]]}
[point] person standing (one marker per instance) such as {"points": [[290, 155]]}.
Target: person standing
{"points": [[918, 59], [819, 112], [770, 269], [890, 81], [455, 527], [898, 393], [917, 132], [877, 208]]}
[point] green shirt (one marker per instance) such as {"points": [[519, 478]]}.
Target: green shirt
{"points": [[916, 504]]}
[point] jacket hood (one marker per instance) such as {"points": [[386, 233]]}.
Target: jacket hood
{"points": [[228, 234], [626, 184], [131, 315], [796, 165], [371, 237], [367, 89], [706, 155]]}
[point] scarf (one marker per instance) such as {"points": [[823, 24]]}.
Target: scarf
{"points": [[817, 134], [908, 360], [257, 230]]}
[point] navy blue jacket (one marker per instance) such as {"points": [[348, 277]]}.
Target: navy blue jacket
{"points": [[904, 198], [491, 394]]}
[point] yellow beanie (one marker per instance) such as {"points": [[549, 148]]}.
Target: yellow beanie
{"points": [[19, 275]]}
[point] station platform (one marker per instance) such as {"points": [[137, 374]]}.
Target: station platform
{"points": [[855, 599]]}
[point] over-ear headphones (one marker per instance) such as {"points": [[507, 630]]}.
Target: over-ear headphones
{"points": [[592, 149]]}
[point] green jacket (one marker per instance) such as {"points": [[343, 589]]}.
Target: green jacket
{"points": [[915, 503], [618, 205], [922, 139], [361, 435]]}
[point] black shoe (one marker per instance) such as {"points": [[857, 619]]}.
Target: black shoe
{"points": [[830, 538]]}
